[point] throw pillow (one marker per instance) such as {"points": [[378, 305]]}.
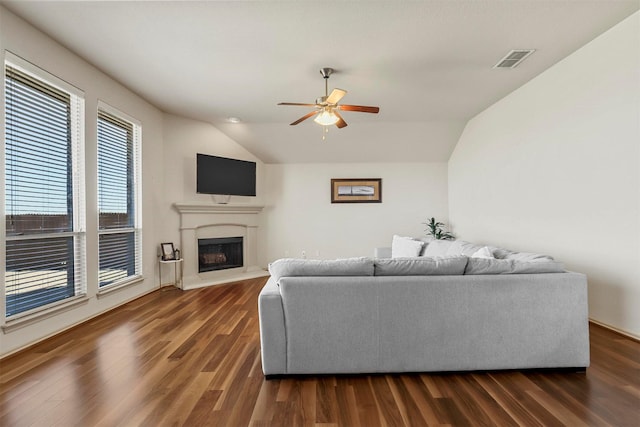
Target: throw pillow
{"points": [[483, 252], [458, 247], [437, 248], [403, 247], [501, 253]]}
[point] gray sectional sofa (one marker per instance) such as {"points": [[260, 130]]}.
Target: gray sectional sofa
{"points": [[446, 312]]}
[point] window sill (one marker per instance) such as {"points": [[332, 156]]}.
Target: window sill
{"points": [[119, 286], [20, 321]]}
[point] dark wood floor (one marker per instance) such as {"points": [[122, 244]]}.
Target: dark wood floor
{"points": [[192, 358]]}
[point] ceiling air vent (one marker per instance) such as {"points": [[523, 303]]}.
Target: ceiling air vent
{"points": [[513, 58]]}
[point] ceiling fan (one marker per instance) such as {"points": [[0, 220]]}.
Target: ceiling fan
{"points": [[326, 107]]}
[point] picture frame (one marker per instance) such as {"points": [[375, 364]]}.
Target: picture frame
{"points": [[167, 251], [356, 190]]}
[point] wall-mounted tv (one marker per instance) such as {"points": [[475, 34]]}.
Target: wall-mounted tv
{"points": [[220, 175]]}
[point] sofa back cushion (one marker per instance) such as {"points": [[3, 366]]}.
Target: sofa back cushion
{"points": [[483, 252], [292, 267], [423, 266], [528, 257], [452, 248], [437, 248], [511, 266]]}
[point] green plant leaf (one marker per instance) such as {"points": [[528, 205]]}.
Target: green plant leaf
{"points": [[436, 229]]}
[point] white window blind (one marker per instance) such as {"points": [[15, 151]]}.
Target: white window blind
{"points": [[118, 197], [44, 197]]}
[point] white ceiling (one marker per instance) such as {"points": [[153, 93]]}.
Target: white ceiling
{"points": [[427, 64]]}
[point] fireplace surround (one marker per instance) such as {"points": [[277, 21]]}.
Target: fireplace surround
{"points": [[216, 221]]}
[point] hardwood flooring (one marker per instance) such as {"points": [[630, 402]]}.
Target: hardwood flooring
{"points": [[192, 358]]}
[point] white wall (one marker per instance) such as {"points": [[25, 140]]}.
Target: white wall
{"points": [[300, 215], [25, 41], [555, 167]]}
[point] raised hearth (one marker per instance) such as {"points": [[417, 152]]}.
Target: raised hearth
{"points": [[208, 221]]}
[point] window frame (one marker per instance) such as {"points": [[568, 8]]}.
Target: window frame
{"points": [[136, 229], [77, 166]]}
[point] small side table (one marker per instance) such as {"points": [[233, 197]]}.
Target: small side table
{"points": [[177, 265]]}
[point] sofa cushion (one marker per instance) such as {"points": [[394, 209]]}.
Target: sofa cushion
{"points": [[452, 248], [460, 247], [290, 267], [510, 266], [526, 256], [402, 247], [502, 253], [488, 266], [535, 267], [483, 252], [437, 248], [423, 266]]}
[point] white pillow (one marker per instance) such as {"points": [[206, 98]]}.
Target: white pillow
{"points": [[437, 248], [405, 247], [483, 252]]}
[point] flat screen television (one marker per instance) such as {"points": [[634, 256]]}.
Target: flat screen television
{"points": [[220, 175]]}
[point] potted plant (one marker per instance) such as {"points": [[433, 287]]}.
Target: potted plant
{"points": [[437, 231]]}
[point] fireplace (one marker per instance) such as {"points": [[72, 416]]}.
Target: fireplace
{"points": [[219, 253], [200, 221]]}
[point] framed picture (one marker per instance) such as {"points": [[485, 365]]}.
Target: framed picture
{"points": [[356, 190], [167, 251]]}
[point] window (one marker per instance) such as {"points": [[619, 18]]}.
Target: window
{"points": [[118, 197], [44, 194]]}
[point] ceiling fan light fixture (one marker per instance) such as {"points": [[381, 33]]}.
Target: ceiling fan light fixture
{"points": [[326, 107], [326, 118]]}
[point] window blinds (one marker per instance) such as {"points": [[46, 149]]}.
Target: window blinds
{"points": [[43, 198], [119, 240], [115, 172], [38, 150]]}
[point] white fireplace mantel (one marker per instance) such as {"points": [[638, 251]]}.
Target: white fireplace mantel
{"points": [[197, 208], [198, 221]]}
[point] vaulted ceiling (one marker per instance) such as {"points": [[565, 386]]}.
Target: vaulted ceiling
{"points": [[427, 64]]}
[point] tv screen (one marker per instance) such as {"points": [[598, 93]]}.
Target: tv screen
{"points": [[219, 175]]}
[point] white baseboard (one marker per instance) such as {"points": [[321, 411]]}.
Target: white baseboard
{"points": [[614, 329], [233, 278]]}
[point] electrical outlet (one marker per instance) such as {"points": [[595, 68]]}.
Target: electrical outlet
{"points": [[304, 254], [318, 254]]}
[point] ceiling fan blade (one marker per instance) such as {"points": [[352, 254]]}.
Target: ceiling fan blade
{"points": [[335, 96], [297, 104], [303, 118], [360, 108], [340, 123]]}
